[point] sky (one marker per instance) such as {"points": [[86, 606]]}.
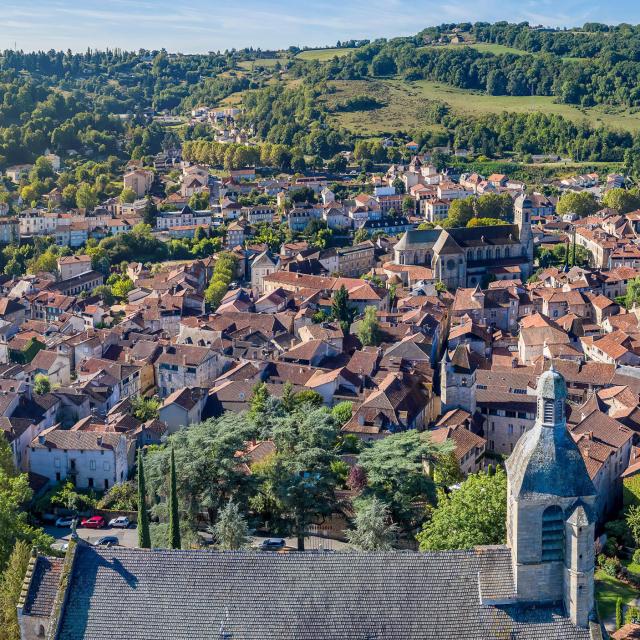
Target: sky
{"points": [[196, 26]]}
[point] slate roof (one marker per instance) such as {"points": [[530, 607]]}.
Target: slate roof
{"points": [[43, 586], [129, 594]]}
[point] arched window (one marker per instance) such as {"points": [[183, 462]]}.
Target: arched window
{"points": [[41, 631], [497, 252], [553, 533], [506, 252]]}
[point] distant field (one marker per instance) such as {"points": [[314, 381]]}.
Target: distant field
{"points": [[323, 54], [484, 47], [260, 62], [404, 101]]}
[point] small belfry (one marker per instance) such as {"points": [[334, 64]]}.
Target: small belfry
{"points": [[550, 510]]}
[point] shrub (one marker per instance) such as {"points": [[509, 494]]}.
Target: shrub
{"points": [[611, 567], [636, 556]]}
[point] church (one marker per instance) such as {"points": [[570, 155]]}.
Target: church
{"points": [[538, 586], [466, 256]]}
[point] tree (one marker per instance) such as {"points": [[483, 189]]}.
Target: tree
{"points": [[259, 399], [86, 197], [368, 330], [475, 514], [10, 589], [447, 470], [342, 412], [395, 472], [360, 235], [288, 397], [104, 292], [308, 398], [621, 200], [144, 536], [485, 222], [127, 195], [174, 515], [373, 530], [14, 524], [199, 201], [299, 479], [341, 311], [460, 212], [619, 619], [632, 296], [41, 384], [582, 203], [211, 471], [145, 408], [230, 530], [633, 522]]}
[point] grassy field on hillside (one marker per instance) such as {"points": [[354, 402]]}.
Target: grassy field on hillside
{"points": [[404, 100], [323, 54], [484, 47], [267, 63]]}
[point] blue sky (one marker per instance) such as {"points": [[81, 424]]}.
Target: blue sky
{"points": [[204, 25]]}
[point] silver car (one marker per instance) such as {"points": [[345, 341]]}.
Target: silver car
{"points": [[121, 522]]}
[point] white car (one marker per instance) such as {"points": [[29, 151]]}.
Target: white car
{"points": [[122, 522], [64, 521]]}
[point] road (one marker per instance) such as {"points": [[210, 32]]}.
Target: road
{"points": [[129, 538]]}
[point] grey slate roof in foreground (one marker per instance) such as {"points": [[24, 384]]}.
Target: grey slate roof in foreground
{"points": [[134, 594]]}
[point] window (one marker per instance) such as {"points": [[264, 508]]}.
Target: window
{"points": [[106, 466], [90, 483], [92, 465], [548, 411], [552, 534], [510, 429], [106, 484], [58, 478]]}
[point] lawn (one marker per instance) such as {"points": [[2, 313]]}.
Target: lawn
{"points": [[608, 590], [323, 54], [404, 101]]}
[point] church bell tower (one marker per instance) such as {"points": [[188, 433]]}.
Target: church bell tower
{"points": [[550, 510]]}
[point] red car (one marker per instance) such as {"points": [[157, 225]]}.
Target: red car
{"points": [[95, 522]]}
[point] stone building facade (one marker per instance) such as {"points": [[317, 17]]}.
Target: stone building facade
{"points": [[464, 257], [551, 510]]}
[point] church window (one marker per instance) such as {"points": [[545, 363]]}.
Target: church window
{"points": [[498, 252], [548, 411], [451, 265], [506, 252], [553, 533]]}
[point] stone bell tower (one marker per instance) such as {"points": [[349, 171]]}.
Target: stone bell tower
{"points": [[550, 510]]}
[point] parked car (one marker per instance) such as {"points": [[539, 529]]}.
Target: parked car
{"points": [[121, 522], [107, 541], [272, 544], [64, 521], [94, 522]]}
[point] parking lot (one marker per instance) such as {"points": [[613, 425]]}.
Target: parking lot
{"points": [[129, 538], [126, 537]]}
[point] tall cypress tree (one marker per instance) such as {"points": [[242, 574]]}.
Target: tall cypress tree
{"points": [[174, 517], [144, 536]]}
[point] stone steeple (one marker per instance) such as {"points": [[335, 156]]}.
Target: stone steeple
{"points": [[550, 503]]}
